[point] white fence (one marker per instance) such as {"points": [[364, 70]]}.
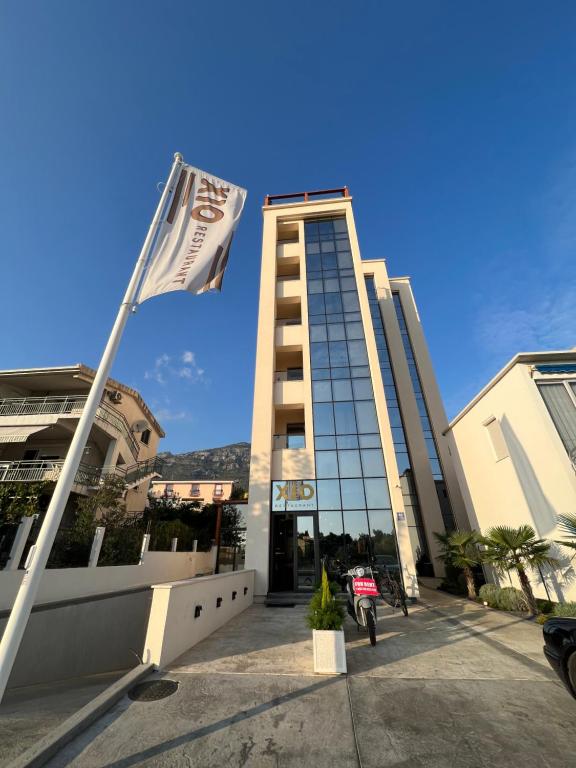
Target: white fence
{"points": [[185, 612], [69, 583]]}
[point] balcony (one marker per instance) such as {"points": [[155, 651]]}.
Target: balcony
{"points": [[288, 251], [290, 288], [48, 471], [61, 406], [288, 442], [289, 336]]}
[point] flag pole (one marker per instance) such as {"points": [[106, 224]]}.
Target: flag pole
{"points": [[26, 596]]}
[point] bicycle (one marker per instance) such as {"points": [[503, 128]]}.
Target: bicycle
{"points": [[391, 590]]}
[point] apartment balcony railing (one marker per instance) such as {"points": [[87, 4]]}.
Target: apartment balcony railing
{"points": [[67, 405], [33, 406], [48, 470], [281, 442], [288, 321], [294, 374]]}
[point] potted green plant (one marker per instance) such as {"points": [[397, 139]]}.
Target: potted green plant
{"points": [[325, 617]]}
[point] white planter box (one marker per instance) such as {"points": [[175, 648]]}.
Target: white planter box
{"points": [[329, 651]]}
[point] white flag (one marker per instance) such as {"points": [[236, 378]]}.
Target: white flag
{"points": [[192, 246]]}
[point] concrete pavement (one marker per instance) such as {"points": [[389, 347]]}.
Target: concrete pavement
{"points": [[451, 685]]}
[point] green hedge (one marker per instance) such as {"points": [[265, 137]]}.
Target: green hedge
{"points": [[565, 609], [503, 598], [489, 594]]}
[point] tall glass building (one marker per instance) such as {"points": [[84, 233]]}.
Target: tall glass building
{"points": [[349, 463]]}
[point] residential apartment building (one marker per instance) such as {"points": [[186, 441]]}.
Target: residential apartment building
{"points": [[514, 446], [204, 491], [348, 458], [39, 412]]}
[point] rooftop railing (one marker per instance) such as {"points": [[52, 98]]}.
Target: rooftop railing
{"points": [[304, 197]]}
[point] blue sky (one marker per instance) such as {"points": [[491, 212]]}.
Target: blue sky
{"points": [[453, 124]]}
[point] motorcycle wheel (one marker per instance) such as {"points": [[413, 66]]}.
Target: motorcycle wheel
{"points": [[371, 627]]}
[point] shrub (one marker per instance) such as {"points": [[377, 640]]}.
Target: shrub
{"points": [[488, 594], [565, 609], [542, 618], [323, 610], [511, 599], [544, 606]]}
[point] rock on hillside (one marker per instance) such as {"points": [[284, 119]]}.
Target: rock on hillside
{"points": [[230, 462]]}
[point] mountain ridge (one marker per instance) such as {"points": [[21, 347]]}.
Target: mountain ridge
{"points": [[227, 462]]}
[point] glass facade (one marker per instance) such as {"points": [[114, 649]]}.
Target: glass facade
{"points": [[435, 464], [403, 460], [354, 511]]}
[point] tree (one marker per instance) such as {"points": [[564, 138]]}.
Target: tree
{"points": [[567, 524], [105, 507], [517, 549], [460, 550], [20, 500]]}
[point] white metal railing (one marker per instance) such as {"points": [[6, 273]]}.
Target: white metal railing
{"points": [[71, 405], [33, 406], [48, 470]]}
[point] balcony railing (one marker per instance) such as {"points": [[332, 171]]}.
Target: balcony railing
{"points": [[288, 321], [33, 406], [294, 374], [67, 405], [281, 442], [48, 470]]}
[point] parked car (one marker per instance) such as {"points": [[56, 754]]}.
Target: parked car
{"points": [[560, 649]]}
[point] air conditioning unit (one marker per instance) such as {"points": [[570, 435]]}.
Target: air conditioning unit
{"points": [[140, 426], [115, 396]]}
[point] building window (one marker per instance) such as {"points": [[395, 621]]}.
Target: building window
{"points": [[195, 490], [560, 399], [497, 439], [145, 436], [218, 491]]}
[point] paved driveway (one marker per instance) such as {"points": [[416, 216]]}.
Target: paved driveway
{"points": [[451, 685]]}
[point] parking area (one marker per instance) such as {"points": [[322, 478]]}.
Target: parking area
{"points": [[451, 685]]}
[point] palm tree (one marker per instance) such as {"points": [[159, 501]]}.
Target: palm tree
{"points": [[460, 549], [567, 524], [517, 549]]}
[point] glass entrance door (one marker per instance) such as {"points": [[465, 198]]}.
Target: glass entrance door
{"points": [[294, 561]]}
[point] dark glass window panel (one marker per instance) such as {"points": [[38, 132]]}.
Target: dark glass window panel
{"points": [[327, 246], [369, 441], [314, 275], [323, 419], [426, 424], [340, 373], [321, 391], [349, 463], [350, 301], [382, 537], [333, 303], [315, 286], [344, 259], [326, 227], [431, 448], [354, 331], [377, 495], [336, 332], [310, 228], [362, 389], [325, 442], [436, 469], [318, 374], [421, 407], [347, 441], [316, 304], [357, 537], [387, 377], [319, 354], [342, 389], [353, 317], [357, 352], [312, 248], [345, 419], [317, 320], [340, 225], [337, 318], [326, 464], [331, 539], [343, 244], [346, 273], [394, 415], [366, 417], [348, 283], [331, 285], [352, 494], [328, 260], [318, 333], [403, 462], [360, 372], [338, 353], [390, 392], [313, 262], [330, 273], [328, 493], [373, 463]]}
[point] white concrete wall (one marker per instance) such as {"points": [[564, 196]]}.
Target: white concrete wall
{"points": [[173, 628], [69, 583], [532, 484]]}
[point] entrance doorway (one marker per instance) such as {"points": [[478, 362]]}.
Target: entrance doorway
{"points": [[295, 561]]}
